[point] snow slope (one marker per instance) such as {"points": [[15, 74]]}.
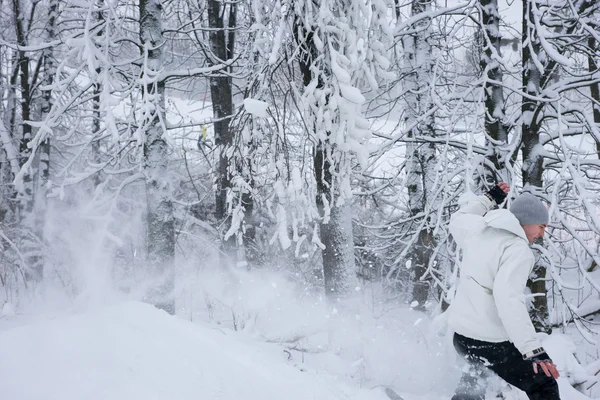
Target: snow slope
{"points": [[133, 351]]}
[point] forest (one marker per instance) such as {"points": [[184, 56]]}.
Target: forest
{"points": [[147, 143]]}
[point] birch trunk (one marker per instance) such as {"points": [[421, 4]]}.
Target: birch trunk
{"points": [[495, 128], [421, 167], [160, 223], [10, 154]]}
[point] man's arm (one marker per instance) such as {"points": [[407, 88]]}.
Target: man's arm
{"points": [[467, 220], [516, 264]]}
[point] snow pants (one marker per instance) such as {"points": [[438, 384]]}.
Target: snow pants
{"points": [[506, 361]]}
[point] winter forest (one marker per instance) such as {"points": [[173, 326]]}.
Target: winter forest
{"points": [[241, 162]]}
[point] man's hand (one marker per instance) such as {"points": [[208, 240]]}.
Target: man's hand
{"points": [[504, 186], [547, 366], [498, 192], [542, 360]]}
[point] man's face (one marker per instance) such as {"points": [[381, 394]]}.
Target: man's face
{"points": [[534, 231]]}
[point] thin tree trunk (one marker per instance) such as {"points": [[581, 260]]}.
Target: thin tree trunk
{"points": [[493, 95], [160, 228], [594, 88], [10, 210], [421, 171], [221, 92], [252, 252], [7, 106], [41, 199], [29, 241], [532, 157], [11, 102], [96, 115]]}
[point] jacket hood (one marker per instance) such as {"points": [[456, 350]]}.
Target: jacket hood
{"points": [[504, 219]]}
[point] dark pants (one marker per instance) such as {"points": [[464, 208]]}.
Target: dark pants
{"points": [[506, 361]]}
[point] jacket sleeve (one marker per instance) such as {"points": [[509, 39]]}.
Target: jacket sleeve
{"points": [[516, 263], [468, 220]]}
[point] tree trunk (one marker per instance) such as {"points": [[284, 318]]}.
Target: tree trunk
{"points": [[493, 96], [221, 93], [252, 252], [11, 101], [96, 115], [532, 158], [421, 168], [160, 223], [339, 271], [397, 10], [30, 244], [41, 189], [594, 88], [8, 209]]}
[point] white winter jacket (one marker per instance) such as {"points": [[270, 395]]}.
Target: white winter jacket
{"points": [[489, 304]]}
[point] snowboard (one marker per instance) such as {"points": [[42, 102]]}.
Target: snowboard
{"points": [[392, 394]]}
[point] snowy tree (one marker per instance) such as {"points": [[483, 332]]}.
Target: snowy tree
{"points": [[161, 234], [421, 156], [331, 170], [108, 116], [28, 100], [222, 24], [317, 116], [593, 44], [337, 54], [12, 271], [97, 93], [496, 128], [594, 87], [535, 70], [434, 97], [552, 112], [26, 200], [49, 60]]}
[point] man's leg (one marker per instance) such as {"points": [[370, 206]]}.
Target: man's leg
{"points": [[472, 384], [511, 367], [506, 361]]}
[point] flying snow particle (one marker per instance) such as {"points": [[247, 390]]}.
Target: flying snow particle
{"points": [[256, 107], [8, 310]]}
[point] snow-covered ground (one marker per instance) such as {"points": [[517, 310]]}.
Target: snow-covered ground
{"points": [[133, 351], [129, 350]]}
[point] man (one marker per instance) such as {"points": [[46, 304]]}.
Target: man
{"points": [[492, 327]]}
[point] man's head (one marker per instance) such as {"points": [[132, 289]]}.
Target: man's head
{"points": [[532, 215]]}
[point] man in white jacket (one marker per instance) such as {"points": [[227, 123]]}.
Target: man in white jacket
{"points": [[492, 327]]}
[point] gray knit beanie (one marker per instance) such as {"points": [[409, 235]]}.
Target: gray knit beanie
{"points": [[529, 210]]}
